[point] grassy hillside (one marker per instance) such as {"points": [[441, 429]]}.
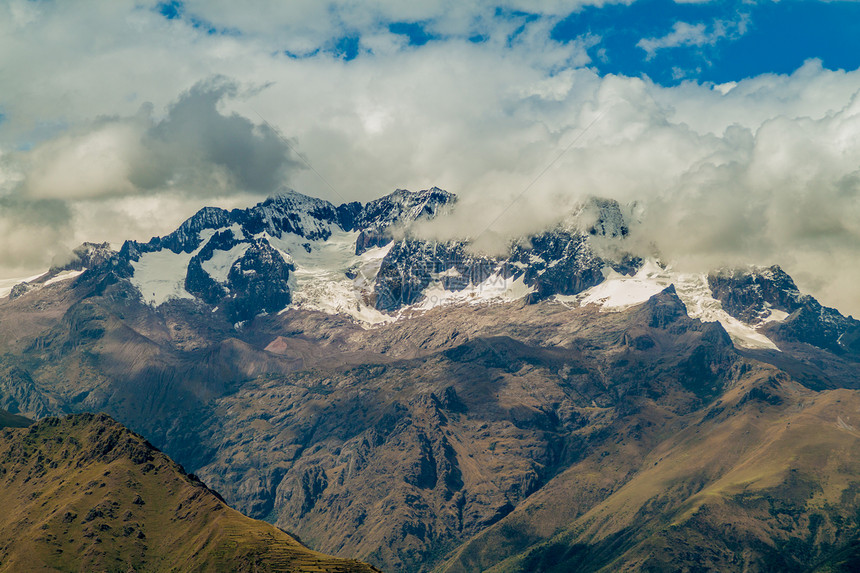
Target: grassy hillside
{"points": [[84, 493]]}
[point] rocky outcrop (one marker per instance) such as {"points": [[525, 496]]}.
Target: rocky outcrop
{"points": [[558, 262], [19, 394], [411, 265], [376, 219], [86, 256], [751, 295], [257, 282]]}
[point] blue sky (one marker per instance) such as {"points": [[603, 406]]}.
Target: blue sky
{"points": [[734, 40], [705, 41]]}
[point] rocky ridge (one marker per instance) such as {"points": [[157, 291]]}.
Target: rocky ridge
{"points": [[753, 295]]}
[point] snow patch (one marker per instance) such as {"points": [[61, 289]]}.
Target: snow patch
{"points": [[775, 315], [319, 281], [65, 275], [619, 292], [218, 267], [238, 233], [160, 275], [495, 289], [695, 293]]}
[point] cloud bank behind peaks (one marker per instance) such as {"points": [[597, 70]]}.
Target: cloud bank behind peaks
{"points": [[490, 102], [783, 191]]}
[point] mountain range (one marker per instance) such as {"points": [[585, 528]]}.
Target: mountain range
{"points": [[416, 404]]}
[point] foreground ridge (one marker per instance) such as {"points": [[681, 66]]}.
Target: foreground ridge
{"points": [[85, 493]]}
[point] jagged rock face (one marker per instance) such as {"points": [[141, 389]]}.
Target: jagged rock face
{"points": [[19, 290], [258, 282], [19, 393], [200, 283], [750, 294], [87, 256], [307, 217], [411, 265], [293, 213], [184, 239], [213, 234], [820, 326], [376, 218], [563, 261], [402, 206], [559, 262]]}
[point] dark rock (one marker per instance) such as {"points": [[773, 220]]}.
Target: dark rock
{"points": [[87, 256], [19, 290], [411, 265], [376, 219], [558, 262], [197, 281], [663, 309], [750, 294], [258, 282]]}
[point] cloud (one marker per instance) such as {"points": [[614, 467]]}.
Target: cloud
{"points": [[783, 190], [515, 123], [698, 35], [194, 149], [31, 230]]}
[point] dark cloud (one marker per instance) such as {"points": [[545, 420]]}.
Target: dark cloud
{"points": [[195, 138], [193, 150]]}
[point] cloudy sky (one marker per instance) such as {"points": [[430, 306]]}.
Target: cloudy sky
{"points": [[734, 126]]}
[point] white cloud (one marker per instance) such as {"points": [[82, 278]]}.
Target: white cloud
{"points": [[684, 34], [765, 172]]}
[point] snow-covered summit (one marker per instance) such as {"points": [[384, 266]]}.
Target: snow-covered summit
{"points": [[379, 217], [360, 260], [598, 216], [198, 260]]}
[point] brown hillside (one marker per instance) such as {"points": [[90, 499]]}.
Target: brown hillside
{"points": [[84, 493]]}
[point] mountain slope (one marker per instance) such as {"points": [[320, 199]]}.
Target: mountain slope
{"points": [[766, 479], [497, 412], [84, 493]]}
